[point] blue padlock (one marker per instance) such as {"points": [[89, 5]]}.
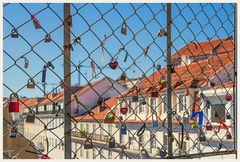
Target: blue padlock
{"points": [[155, 123], [13, 132], [123, 129]]}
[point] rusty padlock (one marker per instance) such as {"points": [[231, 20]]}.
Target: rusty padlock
{"points": [[47, 38], [31, 83], [112, 142], [109, 118], [124, 28], [13, 106], [88, 144], [30, 117], [14, 33], [13, 132]]}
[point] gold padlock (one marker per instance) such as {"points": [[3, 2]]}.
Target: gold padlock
{"points": [[31, 83], [109, 118], [124, 28]]}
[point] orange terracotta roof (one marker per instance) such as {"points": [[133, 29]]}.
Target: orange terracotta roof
{"points": [[28, 102], [109, 103], [204, 48]]}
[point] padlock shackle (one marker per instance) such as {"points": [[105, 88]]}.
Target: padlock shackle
{"points": [[13, 95]]}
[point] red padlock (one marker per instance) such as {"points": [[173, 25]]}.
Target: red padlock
{"points": [[209, 127], [124, 110], [44, 157], [13, 106], [228, 135], [113, 64], [228, 97], [154, 94]]}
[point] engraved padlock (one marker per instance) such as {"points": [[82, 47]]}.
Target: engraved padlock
{"points": [[112, 142], [88, 144], [124, 28], [31, 83], [14, 33], [123, 129], [47, 38], [109, 118], [13, 132], [13, 106], [30, 117]]}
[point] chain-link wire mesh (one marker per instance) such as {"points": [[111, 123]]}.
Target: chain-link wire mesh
{"points": [[154, 81]]}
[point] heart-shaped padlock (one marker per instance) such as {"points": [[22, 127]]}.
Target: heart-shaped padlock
{"points": [[14, 33], [31, 83], [123, 129], [88, 144], [228, 97], [112, 142], [30, 117], [124, 110], [13, 132], [113, 64]]}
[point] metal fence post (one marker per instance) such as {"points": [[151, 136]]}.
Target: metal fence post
{"points": [[67, 82], [169, 100]]}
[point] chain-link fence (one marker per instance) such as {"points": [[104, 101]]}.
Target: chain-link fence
{"points": [[152, 81]]}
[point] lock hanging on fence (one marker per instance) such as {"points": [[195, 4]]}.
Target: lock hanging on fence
{"points": [[31, 83], [202, 137], [13, 106], [113, 64], [112, 142], [161, 33], [228, 116], [35, 22], [88, 144], [40, 147], [154, 94], [144, 154], [123, 76], [209, 127], [100, 101], [144, 102], [14, 33], [228, 135], [30, 117], [123, 129], [228, 97], [13, 132], [124, 110], [187, 136], [109, 118], [194, 125], [47, 38], [124, 28]]}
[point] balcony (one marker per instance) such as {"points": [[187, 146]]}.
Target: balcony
{"points": [[95, 137]]}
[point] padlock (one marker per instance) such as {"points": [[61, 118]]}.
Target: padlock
{"points": [[40, 147], [124, 110], [228, 135], [134, 98], [120, 118], [228, 97], [219, 146], [162, 152], [113, 64], [161, 33], [14, 33], [35, 22], [144, 154], [212, 84], [109, 118], [13, 132], [194, 83], [13, 106], [124, 28], [202, 137], [26, 65], [88, 144], [30, 117], [144, 102], [123, 129], [31, 83], [194, 125], [112, 142], [44, 157], [173, 69], [123, 76], [209, 127], [47, 38], [187, 93], [155, 123], [228, 116], [187, 136], [154, 94]]}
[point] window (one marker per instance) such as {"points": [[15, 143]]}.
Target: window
{"points": [[109, 154], [140, 106], [110, 129], [218, 112], [153, 105], [165, 140], [153, 141], [165, 107], [131, 107], [101, 132], [182, 103], [94, 130]]}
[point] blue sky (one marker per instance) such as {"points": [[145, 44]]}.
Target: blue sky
{"points": [[212, 21]]}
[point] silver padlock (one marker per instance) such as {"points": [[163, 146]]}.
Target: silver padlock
{"points": [[47, 38]]}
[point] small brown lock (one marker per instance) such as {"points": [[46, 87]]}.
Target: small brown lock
{"points": [[123, 76], [112, 142], [88, 144], [30, 117], [31, 83], [124, 28], [109, 118]]}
